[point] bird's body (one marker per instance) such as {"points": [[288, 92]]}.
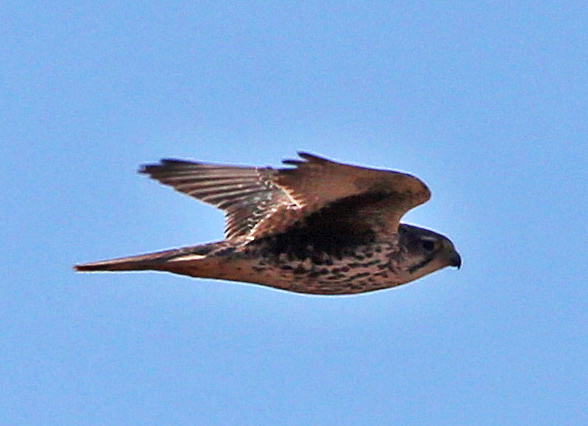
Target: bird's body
{"points": [[320, 228]]}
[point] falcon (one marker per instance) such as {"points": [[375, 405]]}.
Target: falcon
{"points": [[315, 226]]}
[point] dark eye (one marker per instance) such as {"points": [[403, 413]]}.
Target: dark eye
{"points": [[428, 245]]}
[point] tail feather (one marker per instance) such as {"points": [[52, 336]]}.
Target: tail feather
{"points": [[133, 263], [151, 261]]}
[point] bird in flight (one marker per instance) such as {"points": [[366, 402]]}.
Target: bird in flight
{"points": [[316, 226]]}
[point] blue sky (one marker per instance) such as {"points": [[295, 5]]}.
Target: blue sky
{"points": [[485, 101]]}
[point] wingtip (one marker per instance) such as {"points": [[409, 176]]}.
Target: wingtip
{"points": [[306, 158], [292, 162], [164, 163], [311, 157]]}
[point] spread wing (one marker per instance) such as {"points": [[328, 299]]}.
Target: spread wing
{"points": [[262, 201], [247, 195]]}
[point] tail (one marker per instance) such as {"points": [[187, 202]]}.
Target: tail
{"points": [[153, 261]]}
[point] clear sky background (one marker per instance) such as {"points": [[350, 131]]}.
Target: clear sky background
{"points": [[486, 101]]}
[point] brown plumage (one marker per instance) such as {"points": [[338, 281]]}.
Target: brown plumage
{"points": [[318, 227]]}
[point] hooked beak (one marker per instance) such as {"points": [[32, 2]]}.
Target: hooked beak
{"points": [[455, 260]]}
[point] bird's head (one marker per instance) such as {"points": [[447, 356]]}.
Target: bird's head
{"points": [[426, 251]]}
